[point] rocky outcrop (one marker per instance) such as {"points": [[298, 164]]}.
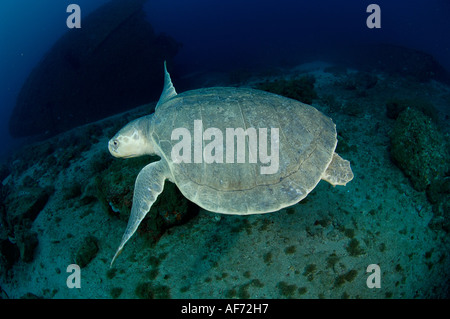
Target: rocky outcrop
{"points": [[113, 63], [419, 148], [25, 204], [393, 59]]}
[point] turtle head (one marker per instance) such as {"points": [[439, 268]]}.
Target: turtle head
{"points": [[133, 139]]}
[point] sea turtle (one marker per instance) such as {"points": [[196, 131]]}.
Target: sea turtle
{"points": [[302, 147]]}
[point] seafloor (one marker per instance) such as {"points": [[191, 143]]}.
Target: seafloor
{"points": [[318, 248]]}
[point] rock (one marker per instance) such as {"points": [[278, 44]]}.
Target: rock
{"points": [[29, 155], [26, 203], [395, 106], [148, 290], [16, 218], [87, 251], [3, 294], [113, 63], [393, 59], [438, 194], [360, 81], [172, 206], [301, 89], [30, 295], [26, 241], [439, 191], [9, 254], [114, 188], [419, 148], [4, 171]]}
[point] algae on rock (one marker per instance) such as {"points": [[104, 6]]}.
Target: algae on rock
{"points": [[87, 251], [301, 89], [114, 188], [419, 148]]}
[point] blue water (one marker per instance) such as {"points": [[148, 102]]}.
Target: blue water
{"points": [[28, 29], [243, 31], [225, 33]]}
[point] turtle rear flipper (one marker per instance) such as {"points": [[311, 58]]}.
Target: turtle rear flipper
{"points": [[338, 172]]}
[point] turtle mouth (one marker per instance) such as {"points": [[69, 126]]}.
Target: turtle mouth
{"points": [[113, 150]]}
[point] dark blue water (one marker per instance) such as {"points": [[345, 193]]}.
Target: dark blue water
{"points": [[244, 31], [28, 29], [226, 34]]}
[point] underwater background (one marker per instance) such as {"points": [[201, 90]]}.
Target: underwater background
{"points": [[64, 92]]}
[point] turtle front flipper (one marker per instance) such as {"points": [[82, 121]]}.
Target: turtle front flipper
{"points": [[149, 184]]}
